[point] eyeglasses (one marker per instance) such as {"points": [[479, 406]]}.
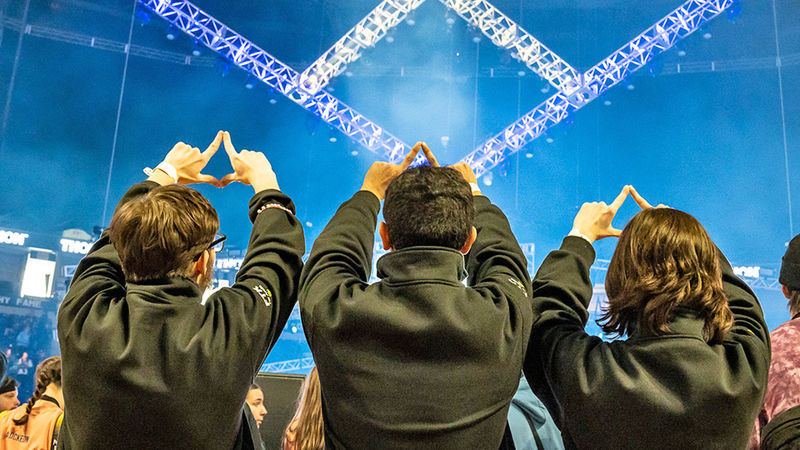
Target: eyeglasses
{"points": [[217, 244]]}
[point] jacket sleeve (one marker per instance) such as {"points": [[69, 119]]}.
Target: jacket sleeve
{"points": [[341, 255], [100, 271], [265, 289], [748, 317], [561, 293], [495, 257]]}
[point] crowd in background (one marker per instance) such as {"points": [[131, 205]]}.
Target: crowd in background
{"points": [[26, 341]]}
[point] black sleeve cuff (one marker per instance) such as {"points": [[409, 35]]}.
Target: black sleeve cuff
{"points": [[269, 196], [580, 247]]}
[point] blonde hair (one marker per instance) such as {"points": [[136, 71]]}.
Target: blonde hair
{"points": [[307, 424]]}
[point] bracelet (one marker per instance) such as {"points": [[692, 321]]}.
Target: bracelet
{"points": [[266, 206], [165, 167]]}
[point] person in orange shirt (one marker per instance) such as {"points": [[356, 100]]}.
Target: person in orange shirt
{"points": [[35, 425]]}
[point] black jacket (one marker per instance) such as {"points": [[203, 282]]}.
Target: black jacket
{"points": [[673, 391], [145, 365], [416, 360]]}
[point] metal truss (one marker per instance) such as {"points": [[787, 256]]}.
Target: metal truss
{"points": [[263, 66], [288, 366], [387, 15], [505, 33], [658, 38]]}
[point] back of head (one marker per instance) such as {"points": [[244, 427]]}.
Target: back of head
{"points": [[307, 426], [429, 206], [47, 372], [9, 384], [790, 273], [664, 258], [161, 233]]}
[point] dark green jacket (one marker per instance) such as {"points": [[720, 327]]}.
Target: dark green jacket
{"points": [[417, 360], [147, 366], [673, 391]]}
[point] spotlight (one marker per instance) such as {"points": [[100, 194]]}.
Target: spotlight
{"points": [[450, 20], [629, 85], [545, 89], [705, 30], [332, 137], [309, 224], [521, 73], [172, 33], [734, 11], [354, 152], [411, 21], [250, 83], [272, 94], [445, 141], [529, 155], [390, 39], [197, 49], [681, 49], [348, 74], [143, 15], [548, 139], [607, 102], [488, 179], [476, 39]]}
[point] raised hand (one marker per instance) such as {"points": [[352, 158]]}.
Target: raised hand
{"points": [[594, 219], [380, 174], [189, 162], [469, 175], [249, 167], [428, 154], [644, 204]]}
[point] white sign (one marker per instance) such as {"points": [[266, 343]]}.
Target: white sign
{"points": [[12, 237], [228, 263], [747, 271], [73, 246]]}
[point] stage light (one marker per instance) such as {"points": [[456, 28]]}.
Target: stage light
{"points": [[476, 39], [521, 73], [681, 47], [735, 11], [143, 16], [37, 279], [354, 153], [172, 33], [607, 102], [445, 140], [273, 96], [529, 155], [197, 49], [629, 85], [488, 178], [545, 89], [332, 135], [309, 224], [250, 83], [548, 139], [705, 31]]}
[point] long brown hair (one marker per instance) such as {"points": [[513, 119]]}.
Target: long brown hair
{"points": [[664, 258], [48, 371], [307, 422]]}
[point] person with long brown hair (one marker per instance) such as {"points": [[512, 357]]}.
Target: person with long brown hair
{"points": [[35, 425], [691, 369], [306, 431]]}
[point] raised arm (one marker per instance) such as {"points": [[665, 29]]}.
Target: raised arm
{"points": [[265, 289], [101, 271], [495, 256], [342, 254]]}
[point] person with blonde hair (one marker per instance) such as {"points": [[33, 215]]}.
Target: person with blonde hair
{"points": [[36, 424], [305, 431]]}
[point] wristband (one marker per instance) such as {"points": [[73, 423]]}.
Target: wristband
{"points": [[267, 206], [575, 232], [165, 167]]}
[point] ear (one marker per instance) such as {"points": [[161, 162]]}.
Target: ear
{"points": [[785, 291], [200, 266], [473, 234], [384, 232]]}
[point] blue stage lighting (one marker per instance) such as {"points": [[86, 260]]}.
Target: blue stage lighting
{"points": [[735, 11], [197, 49], [143, 16], [250, 83], [172, 33]]}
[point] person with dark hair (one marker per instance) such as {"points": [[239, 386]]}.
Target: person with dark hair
{"points": [[781, 407], [255, 401], [36, 424], [9, 394], [692, 368], [306, 430], [140, 350], [417, 360]]}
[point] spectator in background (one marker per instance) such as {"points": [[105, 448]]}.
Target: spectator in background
{"points": [[22, 366], [23, 340], [692, 370], [140, 350], [306, 430], [9, 394], [255, 400], [36, 424], [782, 400]]}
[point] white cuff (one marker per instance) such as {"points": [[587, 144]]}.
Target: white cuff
{"points": [[474, 187], [165, 167], [575, 232]]}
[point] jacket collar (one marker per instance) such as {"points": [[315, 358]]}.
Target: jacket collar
{"points": [[167, 290], [422, 263], [683, 321]]}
